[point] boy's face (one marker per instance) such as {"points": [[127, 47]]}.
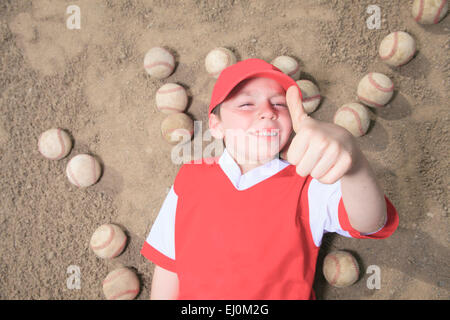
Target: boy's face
{"points": [[254, 120]]}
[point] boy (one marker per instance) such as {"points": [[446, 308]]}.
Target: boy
{"points": [[249, 225]]}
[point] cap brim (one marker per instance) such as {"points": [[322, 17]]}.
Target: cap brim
{"points": [[282, 78]]}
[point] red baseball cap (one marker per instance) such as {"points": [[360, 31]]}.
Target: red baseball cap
{"points": [[231, 76]]}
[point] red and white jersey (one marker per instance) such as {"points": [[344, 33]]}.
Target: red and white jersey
{"points": [[252, 236]]}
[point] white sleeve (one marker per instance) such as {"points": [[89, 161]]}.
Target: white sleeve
{"points": [[162, 233], [323, 200]]}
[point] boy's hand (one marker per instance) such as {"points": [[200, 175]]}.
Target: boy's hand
{"points": [[323, 150]]}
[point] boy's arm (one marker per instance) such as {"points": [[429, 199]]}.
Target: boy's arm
{"points": [[362, 197], [164, 284], [329, 153]]}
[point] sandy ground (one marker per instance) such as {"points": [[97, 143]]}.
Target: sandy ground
{"points": [[91, 82]]}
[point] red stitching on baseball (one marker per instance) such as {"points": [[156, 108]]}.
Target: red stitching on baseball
{"points": [[394, 48], [358, 120], [108, 241], [379, 87], [420, 13], [355, 266], [370, 102], [438, 14], [115, 254], [317, 96], [114, 276], [134, 291], [71, 175], [338, 269], [169, 90], [61, 141], [168, 65], [295, 70]]}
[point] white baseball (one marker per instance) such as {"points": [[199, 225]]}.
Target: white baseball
{"points": [[159, 62], [121, 284], [429, 11], [397, 48], [310, 94], [288, 65], [219, 59], [375, 89], [171, 98], [354, 117], [177, 127], [108, 241], [340, 269], [54, 144], [83, 170]]}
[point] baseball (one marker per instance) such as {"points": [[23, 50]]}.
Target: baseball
{"points": [[54, 144], [108, 241], [159, 63], [177, 127], [311, 95], [121, 284], [429, 11], [397, 48], [171, 98], [375, 89], [219, 59], [354, 117], [288, 65], [83, 170], [340, 269]]}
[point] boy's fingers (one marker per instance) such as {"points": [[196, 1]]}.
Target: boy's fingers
{"points": [[295, 106]]}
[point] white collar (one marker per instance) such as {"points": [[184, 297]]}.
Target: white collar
{"points": [[252, 177]]}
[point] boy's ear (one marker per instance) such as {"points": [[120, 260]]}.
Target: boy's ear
{"points": [[215, 126]]}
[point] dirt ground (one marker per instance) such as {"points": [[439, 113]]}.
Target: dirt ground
{"points": [[92, 83]]}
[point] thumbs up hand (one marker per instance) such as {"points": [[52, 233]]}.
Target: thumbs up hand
{"points": [[323, 150]]}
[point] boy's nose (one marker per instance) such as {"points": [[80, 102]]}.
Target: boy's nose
{"points": [[267, 111]]}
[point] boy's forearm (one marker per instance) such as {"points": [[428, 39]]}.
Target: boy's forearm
{"points": [[362, 196]]}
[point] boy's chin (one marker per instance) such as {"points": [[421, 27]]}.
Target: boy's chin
{"points": [[257, 157]]}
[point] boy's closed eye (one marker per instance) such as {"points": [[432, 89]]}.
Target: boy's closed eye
{"points": [[251, 104]]}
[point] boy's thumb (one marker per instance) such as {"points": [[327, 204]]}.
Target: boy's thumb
{"points": [[295, 105]]}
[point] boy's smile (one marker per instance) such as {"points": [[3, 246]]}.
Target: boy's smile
{"points": [[254, 122]]}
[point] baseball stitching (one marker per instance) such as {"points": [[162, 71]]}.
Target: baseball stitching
{"points": [[169, 90], [421, 8], [317, 96], [61, 141], [108, 241], [356, 115], [370, 102], [338, 269], [394, 48], [438, 14], [120, 294], [420, 13], [378, 86], [160, 63], [115, 254], [114, 276], [71, 175], [297, 67]]}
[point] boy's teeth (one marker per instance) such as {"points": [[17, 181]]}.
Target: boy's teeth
{"points": [[265, 133]]}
